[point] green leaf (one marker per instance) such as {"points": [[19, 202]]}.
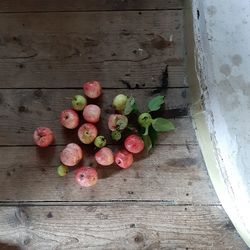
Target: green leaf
{"points": [[155, 103], [153, 135], [147, 142], [130, 105], [162, 125]]}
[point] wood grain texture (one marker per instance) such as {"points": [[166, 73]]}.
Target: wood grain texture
{"points": [[64, 49], [175, 174], [21, 111], [86, 5], [119, 227]]}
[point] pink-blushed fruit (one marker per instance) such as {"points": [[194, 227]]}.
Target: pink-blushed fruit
{"points": [[43, 137], [92, 89], [71, 155], [117, 122], [87, 133], [104, 156], [119, 102], [123, 158], [69, 118], [79, 102], [91, 113], [86, 176], [134, 144]]}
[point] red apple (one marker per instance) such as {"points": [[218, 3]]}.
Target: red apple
{"points": [[92, 89], [87, 133], [91, 113], [71, 155], [123, 158], [86, 176], [43, 137], [104, 156], [69, 119], [134, 144]]}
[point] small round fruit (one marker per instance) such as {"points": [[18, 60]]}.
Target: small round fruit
{"points": [[86, 176], [100, 141], [92, 89], [145, 120], [43, 137], [69, 118], [123, 158], [91, 113], [119, 102], [104, 156], [71, 155], [79, 102], [116, 135], [134, 144], [62, 170], [117, 122], [87, 133]]}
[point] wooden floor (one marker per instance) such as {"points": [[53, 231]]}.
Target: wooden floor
{"points": [[47, 49]]}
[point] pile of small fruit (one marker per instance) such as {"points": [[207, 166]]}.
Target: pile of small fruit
{"points": [[139, 135]]}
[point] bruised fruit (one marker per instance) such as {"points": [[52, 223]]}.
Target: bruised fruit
{"points": [[91, 113], [71, 155], [123, 158], [92, 89], [100, 141], [69, 119], [104, 156], [43, 137], [119, 102], [86, 176], [134, 144], [87, 133], [62, 170], [117, 122], [79, 102]]}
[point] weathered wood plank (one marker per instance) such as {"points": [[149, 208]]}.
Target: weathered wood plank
{"points": [[86, 5], [171, 173], [119, 227], [65, 49], [21, 111]]}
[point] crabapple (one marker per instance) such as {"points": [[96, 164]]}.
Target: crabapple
{"points": [[100, 141], [71, 155], [145, 120], [43, 137], [92, 89], [104, 156], [69, 118], [79, 102], [116, 135], [92, 113], [119, 102], [134, 144], [117, 122], [86, 176], [62, 170], [87, 133], [123, 158]]}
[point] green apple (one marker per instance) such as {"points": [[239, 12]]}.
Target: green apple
{"points": [[119, 102], [62, 170], [100, 141], [79, 102]]}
